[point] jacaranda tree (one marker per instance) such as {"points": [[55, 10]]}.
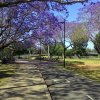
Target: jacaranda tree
{"points": [[90, 15], [16, 22]]}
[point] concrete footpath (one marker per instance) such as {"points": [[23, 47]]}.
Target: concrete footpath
{"points": [[68, 86], [26, 84], [32, 79]]}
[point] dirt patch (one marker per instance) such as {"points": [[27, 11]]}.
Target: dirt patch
{"points": [[89, 66]]}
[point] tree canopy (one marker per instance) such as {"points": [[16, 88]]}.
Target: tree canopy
{"points": [[90, 15]]}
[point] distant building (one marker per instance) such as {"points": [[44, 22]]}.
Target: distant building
{"points": [[92, 54]]}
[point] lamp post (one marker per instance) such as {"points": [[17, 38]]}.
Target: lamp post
{"points": [[64, 30], [64, 44]]}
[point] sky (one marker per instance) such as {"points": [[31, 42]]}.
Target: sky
{"points": [[73, 14], [74, 9]]}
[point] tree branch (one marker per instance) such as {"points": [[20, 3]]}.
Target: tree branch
{"points": [[14, 3]]}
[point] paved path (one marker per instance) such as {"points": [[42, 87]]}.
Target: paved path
{"points": [[26, 84], [67, 86], [29, 84]]}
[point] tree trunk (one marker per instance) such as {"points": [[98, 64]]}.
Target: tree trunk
{"points": [[48, 52]]}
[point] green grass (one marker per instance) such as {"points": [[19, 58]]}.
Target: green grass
{"points": [[86, 60], [89, 67], [6, 71]]}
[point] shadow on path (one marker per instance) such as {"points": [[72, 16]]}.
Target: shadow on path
{"points": [[26, 84], [65, 85]]}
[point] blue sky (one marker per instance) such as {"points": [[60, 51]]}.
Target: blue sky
{"points": [[74, 9], [73, 14]]}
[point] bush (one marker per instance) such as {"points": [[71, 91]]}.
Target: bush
{"points": [[7, 60]]}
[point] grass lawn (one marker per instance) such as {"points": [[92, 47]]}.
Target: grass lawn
{"points": [[6, 71], [89, 67]]}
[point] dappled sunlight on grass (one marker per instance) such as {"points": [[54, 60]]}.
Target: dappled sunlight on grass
{"points": [[86, 60], [89, 63], [89, 68]]}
